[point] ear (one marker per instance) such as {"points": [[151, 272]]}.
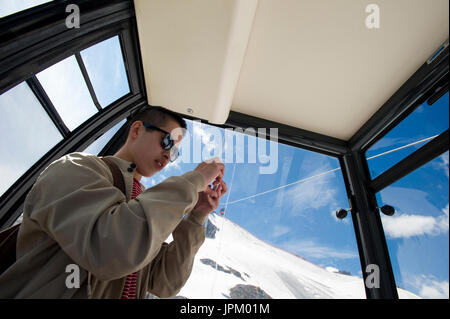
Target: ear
{"points": [[134, 130]]}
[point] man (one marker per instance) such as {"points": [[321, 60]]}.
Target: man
{"points": [[74, 218]]}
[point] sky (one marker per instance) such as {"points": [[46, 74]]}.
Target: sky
{"points": [[283, 195], [8, 7]]}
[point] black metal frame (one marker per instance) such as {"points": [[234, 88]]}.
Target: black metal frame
{"points": [[418, 158], [87, 80], [37, 38], [43, 98]]}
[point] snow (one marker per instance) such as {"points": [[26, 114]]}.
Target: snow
{"points": [[332, 269], [236, 257]]}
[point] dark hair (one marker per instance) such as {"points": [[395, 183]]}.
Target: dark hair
{"points": [[155, 115]]}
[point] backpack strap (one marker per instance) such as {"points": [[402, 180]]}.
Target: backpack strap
{"points": [[116, 173]]}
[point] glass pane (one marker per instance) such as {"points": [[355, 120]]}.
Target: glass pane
{"points": [[100, 143], [106, 69], [27, 133], [18, 220], [417, 234], [413, 132], [66, 88], [12, 6], [278, 235]]}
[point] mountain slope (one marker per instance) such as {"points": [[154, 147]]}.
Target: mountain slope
{"points": [[232, 263]]}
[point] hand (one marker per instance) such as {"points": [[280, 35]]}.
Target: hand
{"points": [[208, 200], [211, 170]]}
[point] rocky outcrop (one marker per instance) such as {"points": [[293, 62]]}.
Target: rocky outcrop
{"points": [[248, 292], [218, 267], [210, 229]]}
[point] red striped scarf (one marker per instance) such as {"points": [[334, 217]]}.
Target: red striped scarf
{"points": [[129, 290]]}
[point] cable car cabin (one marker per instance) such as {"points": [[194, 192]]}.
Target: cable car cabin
{"points": [[331, 118]]}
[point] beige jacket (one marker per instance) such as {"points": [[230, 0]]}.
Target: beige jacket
{"points": [[74, 215]]}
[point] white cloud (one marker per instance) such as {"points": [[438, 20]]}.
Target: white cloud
{"points": [[442, 164], [313, 194], [429, 287], [405, 226], [332, 269], [308, 248], [152, 181], [174, 165], [211, 138], [279, 230]]}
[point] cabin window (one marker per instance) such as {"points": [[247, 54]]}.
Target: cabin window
{"points": [[417, 234], [96, 147], [420, 127], [64, 84], [274, 235], [106, 68], [27, 133]]}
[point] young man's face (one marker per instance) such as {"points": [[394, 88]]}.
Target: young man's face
{"points": [[146, 149]]}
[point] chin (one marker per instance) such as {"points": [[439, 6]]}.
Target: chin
{"points": [[146, 173]]}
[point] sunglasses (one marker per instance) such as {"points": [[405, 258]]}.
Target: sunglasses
{"points": [[167, 142]]}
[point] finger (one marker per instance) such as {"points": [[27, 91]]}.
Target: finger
{"points": [[218, 191], [221, 168], [209, 191], [211, 202], [213, 160], [224, 187], [212, 193]]}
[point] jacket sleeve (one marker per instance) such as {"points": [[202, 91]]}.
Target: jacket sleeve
{"points": [[172, 267], [79, 208]]}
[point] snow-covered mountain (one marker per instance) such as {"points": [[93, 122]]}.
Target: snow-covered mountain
{"points": [[232, 263]]}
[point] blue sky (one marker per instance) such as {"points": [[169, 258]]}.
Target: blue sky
{"points": [[12, 6], [294, 207]]}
